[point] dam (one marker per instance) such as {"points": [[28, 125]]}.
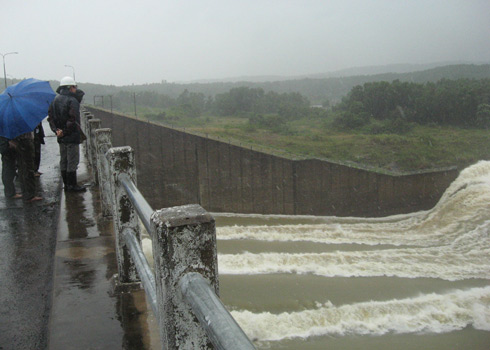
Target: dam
{"points": [[411, 280], [175, 168]]}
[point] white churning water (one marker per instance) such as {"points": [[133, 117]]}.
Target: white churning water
{"points": [[435, 313], [450, 242]]}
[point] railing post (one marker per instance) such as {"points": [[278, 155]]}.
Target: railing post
{"points": [[93, 125], [84, 117], [183, 240], [121, 161], [84, 125], [103, 142]]}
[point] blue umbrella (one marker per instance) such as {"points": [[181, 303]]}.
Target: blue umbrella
{"points": [[23, 106]]}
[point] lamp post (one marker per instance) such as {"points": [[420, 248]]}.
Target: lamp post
{"points": [[73, 68], [4, 71]]}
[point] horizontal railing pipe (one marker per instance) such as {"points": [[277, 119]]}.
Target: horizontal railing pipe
{"points": [[142, 207], [221, 328], [144, 271]]}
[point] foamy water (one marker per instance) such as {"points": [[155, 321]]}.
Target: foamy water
{"points": [[436, 313], [450, 242]]}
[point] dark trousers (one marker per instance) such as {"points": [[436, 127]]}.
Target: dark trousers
{"points": [[25, 162], [8, 172], [69, 157], [37, 154]]}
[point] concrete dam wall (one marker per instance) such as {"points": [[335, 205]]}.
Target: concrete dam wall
{"points": [[176, 168]]}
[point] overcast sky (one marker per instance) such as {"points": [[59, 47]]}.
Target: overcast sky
{"points": [[144, 41]]}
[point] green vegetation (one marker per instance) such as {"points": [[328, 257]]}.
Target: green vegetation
{"points": [[423, 147], [398, 126], [461, 102]]}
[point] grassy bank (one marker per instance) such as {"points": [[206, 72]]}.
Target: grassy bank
{"points": [[421, 148]]}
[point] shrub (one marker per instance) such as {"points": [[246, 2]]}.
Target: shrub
{"points": [[483, 116], [390, 126]]}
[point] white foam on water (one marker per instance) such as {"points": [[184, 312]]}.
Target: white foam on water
{"points": [[450, 242], [466, 257], [463, 206], [431, 313]]}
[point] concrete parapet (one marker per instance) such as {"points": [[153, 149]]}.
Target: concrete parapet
{"points": [[183, 240], [183, 289], [121, 161], [93, 124], [103, 142]]}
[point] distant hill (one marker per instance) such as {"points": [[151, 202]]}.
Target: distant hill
{"points": [[316, 87], [392, 68], [348, 72]]}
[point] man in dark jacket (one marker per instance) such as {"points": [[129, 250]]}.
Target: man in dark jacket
{"points": [[64, 120]]}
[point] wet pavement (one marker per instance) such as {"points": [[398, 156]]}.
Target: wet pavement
{"points": [[56, 272], [27, 241], [87, 313]]}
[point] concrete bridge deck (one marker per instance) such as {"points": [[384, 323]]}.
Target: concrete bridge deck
{"points": [[56, 270]]}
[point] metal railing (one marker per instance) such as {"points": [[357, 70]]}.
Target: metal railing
{"points": [[183, 285]]}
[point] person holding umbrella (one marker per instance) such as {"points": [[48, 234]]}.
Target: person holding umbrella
{"points": [[64, 121], [22, 107]]}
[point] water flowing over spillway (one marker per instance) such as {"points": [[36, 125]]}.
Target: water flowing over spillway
{"points": [[426, 313], [450, 243]]}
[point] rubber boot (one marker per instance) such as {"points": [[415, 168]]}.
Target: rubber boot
{"points": [[65, 181], [72, 182]]}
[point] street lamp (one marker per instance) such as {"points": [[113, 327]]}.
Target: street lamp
{"points": [[73, 68], [4, 71]]}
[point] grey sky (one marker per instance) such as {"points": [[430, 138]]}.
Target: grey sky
{"points": [[123, 42]]}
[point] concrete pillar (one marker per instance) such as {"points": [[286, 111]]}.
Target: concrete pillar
{"points": [[93, 125], [88, 116], [84, 117], [184, 240], [121, 161], [103, 142]]}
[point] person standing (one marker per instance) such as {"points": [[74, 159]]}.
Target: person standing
{"points": [[24, 146], [64, 121], [38, 141], [9, 159]]}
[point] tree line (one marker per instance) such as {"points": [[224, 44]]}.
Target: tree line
{"points": [[461, 102], [375, 106], [240, 101]]}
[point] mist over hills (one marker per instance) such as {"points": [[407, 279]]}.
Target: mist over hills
{"points": [[353, 71], [317, 88]]}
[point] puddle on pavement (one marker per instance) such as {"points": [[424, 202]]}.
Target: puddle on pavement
{"points": [[84, 252]]}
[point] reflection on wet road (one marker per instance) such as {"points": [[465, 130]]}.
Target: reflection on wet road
{"points": [[87, 313]]}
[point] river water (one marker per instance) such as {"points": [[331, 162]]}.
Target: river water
{"points": [[413, 281]]}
